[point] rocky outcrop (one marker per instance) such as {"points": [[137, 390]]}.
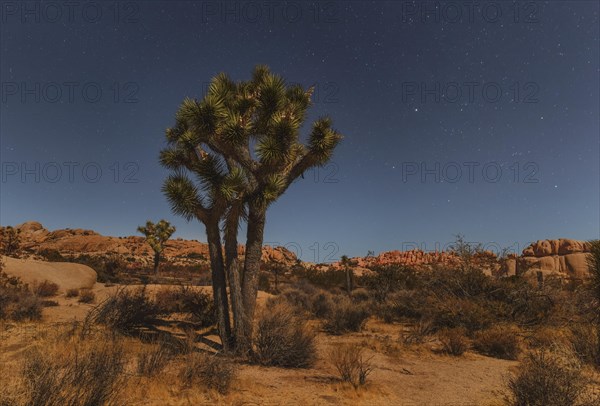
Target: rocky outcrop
{"points": [[563, 256], [65, 275], [36, 240]]}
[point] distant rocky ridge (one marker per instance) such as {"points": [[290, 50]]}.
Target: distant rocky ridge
{"points": [[565, 257], [35, 239]]}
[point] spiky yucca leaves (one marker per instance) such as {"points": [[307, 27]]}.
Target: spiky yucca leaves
{"points": [[266, 110], [156, 237]]}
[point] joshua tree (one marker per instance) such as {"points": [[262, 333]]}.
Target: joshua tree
{"points": [[253, 129], [347, 265], [156, 237]]}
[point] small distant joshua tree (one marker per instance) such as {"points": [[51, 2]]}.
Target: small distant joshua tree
{"points": [[347, 265], [156, 236]]}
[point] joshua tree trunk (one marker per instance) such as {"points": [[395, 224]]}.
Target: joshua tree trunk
{"points": [[219, 284], [254, 241], [349, 278], [233, 274], [156, 262]]}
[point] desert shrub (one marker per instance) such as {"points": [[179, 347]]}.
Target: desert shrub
{"points": [[45, 289], [72, 293], [126, 311], [153, 360], [548, 378], [107, 267], [498, 341], [546, 337], [345, 316], [386, 279], [86, 296], [322, 304], [284, 339], [328, 279], [184, 299], [350, 362], [402, 305], [10, 241], [361, 295], [298, 298], [584, 341], [48, 303], [454, 341], [528, 305], [452, 312], [212, 371], [51, 255], [87, 376], [17, 302], [417, 333]]}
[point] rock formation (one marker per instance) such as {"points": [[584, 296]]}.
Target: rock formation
{"points": [[36, 240], [555, 257]]}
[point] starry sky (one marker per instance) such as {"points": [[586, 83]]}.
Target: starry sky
{"points": [[480, 120]]}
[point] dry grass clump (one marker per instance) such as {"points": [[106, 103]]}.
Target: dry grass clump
{"points": [[499, 341], [584, 341], [17, 302], [549, 378], [345, 316], [126, 311], [72, 293], [152, 361], [350, 362], [417, 333], [89, 375], [211, 371], [86, 296], [546, 337], [283, 339], [186, 300], [45, 289], [454, 341]]}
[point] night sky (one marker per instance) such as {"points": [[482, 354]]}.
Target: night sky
{"points": [[482, 121]]}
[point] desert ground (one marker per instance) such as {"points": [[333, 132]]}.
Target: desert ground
{"points": [[409, 366]]}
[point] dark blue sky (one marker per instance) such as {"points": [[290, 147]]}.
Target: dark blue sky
{"points": [[485, 125]]}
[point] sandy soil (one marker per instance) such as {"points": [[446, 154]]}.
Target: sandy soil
{"points": [[403, 375]]}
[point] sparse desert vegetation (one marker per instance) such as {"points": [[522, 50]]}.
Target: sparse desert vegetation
{"points": [[373, 343]]}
